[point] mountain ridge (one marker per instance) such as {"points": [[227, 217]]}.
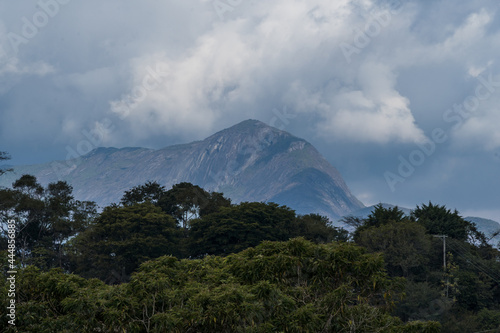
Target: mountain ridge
{"points": [[249, 161]]}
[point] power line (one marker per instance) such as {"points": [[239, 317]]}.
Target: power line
{"points": [[474, 261], [462, 251], [478, 266]]}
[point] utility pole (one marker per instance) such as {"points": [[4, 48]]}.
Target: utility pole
{"points": [[444, 258]]}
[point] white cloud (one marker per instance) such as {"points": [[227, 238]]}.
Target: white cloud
{"points": [[480, 130], [91, 60], [260, 56], [275, 51], [10, 62], [467, 35], [389, 123], [377, 113]]}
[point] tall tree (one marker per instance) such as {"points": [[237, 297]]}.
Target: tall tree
{"points": [[439, 220], [121, 238], [24, 203], [405, 246], [318, 228], [236, 228], [46, 218], [378, 217], [67, 217], [186, 202], [149, 192], [381, 216]]}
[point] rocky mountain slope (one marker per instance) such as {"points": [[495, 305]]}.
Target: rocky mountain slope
{"points": [[250, 161]]}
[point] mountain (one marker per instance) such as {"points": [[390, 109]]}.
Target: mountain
{"points": [[250, 161], [486, 226]]}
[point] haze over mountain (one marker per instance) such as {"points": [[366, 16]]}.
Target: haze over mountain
{"points": [[250, 161]]}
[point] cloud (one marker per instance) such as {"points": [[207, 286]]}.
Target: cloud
{"points": [[477, 124], [260, 56], [153, 73], [12, 68], [466, 36], [270, 52], [376, 113]]}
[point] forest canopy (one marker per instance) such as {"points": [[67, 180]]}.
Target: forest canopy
{"points": [[188, 260]]}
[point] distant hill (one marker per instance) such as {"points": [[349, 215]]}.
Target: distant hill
{"points": [[250, 161], [486, 226]]}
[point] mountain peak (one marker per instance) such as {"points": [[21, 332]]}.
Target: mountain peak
{"points": [[250, 161], [248, 126], [249, 122]]}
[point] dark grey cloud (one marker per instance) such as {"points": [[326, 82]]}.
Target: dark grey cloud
{"points": [[368, 82]]}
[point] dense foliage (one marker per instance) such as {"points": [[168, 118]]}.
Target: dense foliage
{"points": [[47, 218], [293, 286], [187, 260], [459, 287], [122, 238]]}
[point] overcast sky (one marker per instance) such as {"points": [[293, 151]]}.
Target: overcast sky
{"points": [[403, 97]]}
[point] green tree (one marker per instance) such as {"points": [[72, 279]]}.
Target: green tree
{"points": [[66, 218], [45, 219], [422, 301], [24, 203], [405, 245], [293, 286], [236, 228], [318, 229], [439, 220], [150, 192], [488, 319], [121, 238], [353, 222], [477, 278], [186, 202], [381, 216], [378, 217]]}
